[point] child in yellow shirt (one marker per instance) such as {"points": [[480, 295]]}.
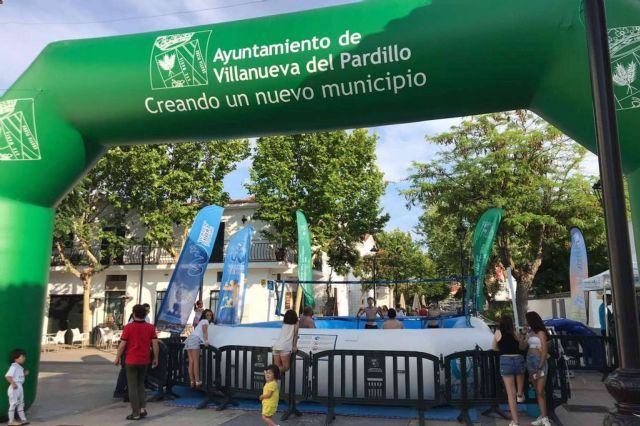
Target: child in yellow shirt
{"points": [[270, 394]]}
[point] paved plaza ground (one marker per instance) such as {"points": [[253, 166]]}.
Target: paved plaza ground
{"points": [[76, 385]]}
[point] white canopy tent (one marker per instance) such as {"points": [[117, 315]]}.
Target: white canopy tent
{"points": [[603, 280], [598, 284]]}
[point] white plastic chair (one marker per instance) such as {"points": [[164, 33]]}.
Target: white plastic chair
{"points": [[115, 339], [47, 343], [58, 339], [79, 338]]}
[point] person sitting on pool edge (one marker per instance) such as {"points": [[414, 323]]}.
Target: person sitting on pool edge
{"points": [[371, 311], [392, 323]]}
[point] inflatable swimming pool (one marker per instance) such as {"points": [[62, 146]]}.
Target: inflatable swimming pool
{"points": [[452, 334]]}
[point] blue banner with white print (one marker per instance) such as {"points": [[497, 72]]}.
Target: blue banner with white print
{"points": [[234, 272], [182, 292]]}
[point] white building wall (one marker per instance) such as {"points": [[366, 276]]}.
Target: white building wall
{"points": [[259, 302]]}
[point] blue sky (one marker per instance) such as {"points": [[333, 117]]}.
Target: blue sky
{"points": [[27, 26]]}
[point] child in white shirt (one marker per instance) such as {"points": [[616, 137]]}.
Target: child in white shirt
{"points": [[15, 376]]}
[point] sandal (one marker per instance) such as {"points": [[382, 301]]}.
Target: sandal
{"points": [[143, 413], [132, 417]]}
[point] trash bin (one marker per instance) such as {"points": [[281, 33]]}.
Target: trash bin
{"points": [[532, 408], [68, 337]]}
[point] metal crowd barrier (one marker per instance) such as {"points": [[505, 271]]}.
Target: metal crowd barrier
{"points": [[177, 373], [597, 353], [473, 378], [390, 378], [242, 374], [411, 379]]}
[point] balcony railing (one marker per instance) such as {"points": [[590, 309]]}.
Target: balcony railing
{"points": [[261, 251]]}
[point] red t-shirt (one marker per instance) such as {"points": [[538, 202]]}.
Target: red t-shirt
{"points": [[423, 312], [138, 335]]}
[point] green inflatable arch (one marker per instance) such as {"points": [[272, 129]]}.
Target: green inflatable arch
{"points": [[369, 63]]}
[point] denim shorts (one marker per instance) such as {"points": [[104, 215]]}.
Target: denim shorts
{"points": [[192, 342], [511, 365], [533, 364]]}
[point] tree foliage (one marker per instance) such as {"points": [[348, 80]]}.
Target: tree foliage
{"points": [[517, 162], [332, 177], [164, 186], [399, 257]]}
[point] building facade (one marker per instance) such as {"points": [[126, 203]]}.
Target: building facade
{"points": [[116, 289]]}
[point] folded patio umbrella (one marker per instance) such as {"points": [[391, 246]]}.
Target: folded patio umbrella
{"points": [[416, 303]]}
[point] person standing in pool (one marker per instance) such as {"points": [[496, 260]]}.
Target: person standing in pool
{"points": [[306, 320], [371, 312]]}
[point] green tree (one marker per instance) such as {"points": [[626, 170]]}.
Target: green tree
{"points": [[511, 160], [399, 257], [553, 275], [332, 177], [164, 186]]}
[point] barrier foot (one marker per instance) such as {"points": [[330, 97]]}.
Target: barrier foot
{"points": [[205, 403], [554, 417], [166, 395], [227, 401], [464, 417], [495, 409], [288, 414], [421, 418], [329, 418]]}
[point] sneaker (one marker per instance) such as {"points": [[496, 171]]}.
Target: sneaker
{"points": [[514, 424], [541, 421], [520, 398]]}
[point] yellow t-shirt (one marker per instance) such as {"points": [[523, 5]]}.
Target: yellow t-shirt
{"points": [[270, 405]]}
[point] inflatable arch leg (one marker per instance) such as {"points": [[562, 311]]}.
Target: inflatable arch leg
{"points": [[25, 247]]}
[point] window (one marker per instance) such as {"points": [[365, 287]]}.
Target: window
{"points": [[115, 283], [214, 296], [159, 298], [114, 309], [218, 247], [289, 300], [65, 311]]}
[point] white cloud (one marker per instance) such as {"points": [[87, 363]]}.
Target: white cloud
{"points": [[590, 165], [401, 144]]}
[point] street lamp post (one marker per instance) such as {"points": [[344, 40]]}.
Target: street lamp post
{"points": [[597, 190], [142, 259], [624, 383], [375, 251], [461, 232]]}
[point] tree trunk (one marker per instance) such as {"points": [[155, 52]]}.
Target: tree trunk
{"points": [[86, 308], [522, 295]]}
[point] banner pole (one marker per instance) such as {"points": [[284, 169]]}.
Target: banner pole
{"points": [[512, 292], [298, 304]]}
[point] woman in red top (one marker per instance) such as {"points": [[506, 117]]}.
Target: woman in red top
{"points": [[138, 337]]}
